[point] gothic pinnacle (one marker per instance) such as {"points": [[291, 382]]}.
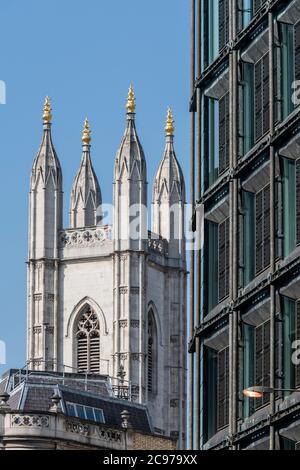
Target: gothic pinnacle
{"points": [[170, 129], [47, 114], [86, 133], [130, 105]]}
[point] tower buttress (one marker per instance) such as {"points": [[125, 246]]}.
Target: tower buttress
{"points": [[130, 244], [169, 197], [85, 207], [45, 221], [130, 187]]}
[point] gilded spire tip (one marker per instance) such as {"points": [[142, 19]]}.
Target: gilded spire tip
{"points": [[130, 105], [47, 114], [86, 133], [170, 129]]}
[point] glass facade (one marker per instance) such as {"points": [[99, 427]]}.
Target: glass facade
{"points": [[247, 286]]}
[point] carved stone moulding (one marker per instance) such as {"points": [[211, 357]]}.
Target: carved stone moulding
{"points": [[77, 428], [109, 435], [37, 421]]}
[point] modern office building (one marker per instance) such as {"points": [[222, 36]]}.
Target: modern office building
{"points": [[245, 185]]}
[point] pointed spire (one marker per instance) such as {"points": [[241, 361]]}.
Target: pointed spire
{"points": [[47, 114], [130, 105], [169, 195], [169, 174], [85, 210], [170, 129], [86, 133], [46, 161], [130, 155]]}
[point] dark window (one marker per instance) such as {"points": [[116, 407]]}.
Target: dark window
{"points": [[223, 388], [298, 201], [262, 97], [247, 133], [256, 361], [223, 133], [216, 377], [262, 360], [248, 237], [223, 259], [211, 31], [297, 366], [216, 138], [291, 333], [262, 229], [245, 13], [297, 51], [216, 263], [223, 23]]}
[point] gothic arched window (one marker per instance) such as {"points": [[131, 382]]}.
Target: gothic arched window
{"points": [[88, 342], [151, 354]]}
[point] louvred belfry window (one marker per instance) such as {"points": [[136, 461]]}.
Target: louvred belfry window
{"points": [[88, 342], [223, 259], [223, 388], [151, 354], [262, 229], [223, 133], [223, 23], [262, 97]]}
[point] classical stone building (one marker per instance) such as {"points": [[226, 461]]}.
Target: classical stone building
{"points": [[69, 411], [111, 299]]}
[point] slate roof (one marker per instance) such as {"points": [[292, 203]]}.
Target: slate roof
{"points": [[112, 409], [37, 398], [32, 393], [3, 384]]}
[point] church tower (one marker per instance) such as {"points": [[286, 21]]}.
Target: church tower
{"points": [[45, 222], [111, 299]]}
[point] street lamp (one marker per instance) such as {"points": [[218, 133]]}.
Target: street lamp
{"points": [[259, 392]]}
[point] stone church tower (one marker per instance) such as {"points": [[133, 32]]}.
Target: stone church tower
{"points": [[111, 299]]}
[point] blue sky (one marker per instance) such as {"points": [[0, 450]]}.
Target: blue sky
{"points": [[84, 55]]}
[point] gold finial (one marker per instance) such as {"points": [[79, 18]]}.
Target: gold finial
{"points": [[130, 105], [170, 129], [47, 115], [86, 133]]}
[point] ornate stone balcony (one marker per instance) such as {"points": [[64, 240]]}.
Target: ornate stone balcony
{"points": [[85, 237], [157, 244]]}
